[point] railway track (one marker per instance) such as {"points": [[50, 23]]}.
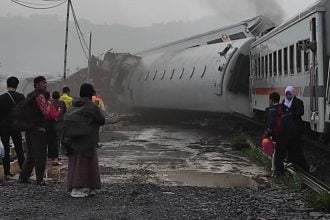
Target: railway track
{"points": [[311, 181]]}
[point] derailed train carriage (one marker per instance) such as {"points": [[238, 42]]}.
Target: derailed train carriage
{"points": [[207, 73]]}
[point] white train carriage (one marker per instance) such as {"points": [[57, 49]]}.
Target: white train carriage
{"points": [[207, 78], [296, 53], [207, 72]]}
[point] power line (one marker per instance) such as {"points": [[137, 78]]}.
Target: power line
{"points": [[79, 32], [24, 4], [33, 3], [77, 25]]}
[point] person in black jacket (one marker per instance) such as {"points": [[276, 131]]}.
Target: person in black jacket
{"points": [[8, 101], [275, 131], [36, 135], [292, 141]]}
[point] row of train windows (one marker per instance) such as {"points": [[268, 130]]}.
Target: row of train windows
{"points": [[162, 75], [287, 60]]}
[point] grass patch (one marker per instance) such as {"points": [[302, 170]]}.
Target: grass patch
{"points": [[319, 201], [239, 142], [256, 154], [293, 182]]}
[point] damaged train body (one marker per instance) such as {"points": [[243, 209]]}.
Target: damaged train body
{"points": [[203, 73]]}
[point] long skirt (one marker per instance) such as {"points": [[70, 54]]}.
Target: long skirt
{"points": [[83, 172]]}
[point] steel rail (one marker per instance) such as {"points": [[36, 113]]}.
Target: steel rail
{"points": [[311, 181]]}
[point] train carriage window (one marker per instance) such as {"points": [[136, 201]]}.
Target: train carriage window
{"points": [[204, 71], [285, 57], [237, 36], [172, 74], [280, 62], [259, 68], [155, 75], [146, 78], [262, 67], [255, 68], [291, 56], [275, 63], [270, 65], [181, 73], [216, 41], [163, 75], [266, 66], [298, 58], [306, 60], [192, 72]]}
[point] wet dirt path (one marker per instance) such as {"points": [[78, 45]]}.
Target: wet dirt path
{"points": [[172, 155]]}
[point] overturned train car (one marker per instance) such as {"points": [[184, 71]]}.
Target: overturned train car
{"points": [[207, 72]]}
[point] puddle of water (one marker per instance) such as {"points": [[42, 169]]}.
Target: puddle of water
{"points": [[206, 179]]}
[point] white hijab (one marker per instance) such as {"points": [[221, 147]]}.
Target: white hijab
{"points": [[288, 102]]}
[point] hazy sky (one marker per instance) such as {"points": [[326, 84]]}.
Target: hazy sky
{"points": [[139, 12]]}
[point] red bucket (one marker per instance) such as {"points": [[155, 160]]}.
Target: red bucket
{"points": [[267, 146]]}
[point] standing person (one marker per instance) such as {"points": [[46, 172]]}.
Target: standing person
{"points": [[275, 131], [51, 136], [83, 171], [66, 98], [8, 101], [36, 134], [60, 105], [293, 124], [99, 102]]}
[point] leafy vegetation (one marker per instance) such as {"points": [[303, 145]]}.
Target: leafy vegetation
{"points": [[256, 154]]}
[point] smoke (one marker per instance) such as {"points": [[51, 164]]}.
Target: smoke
{"points": [[236, 10]]}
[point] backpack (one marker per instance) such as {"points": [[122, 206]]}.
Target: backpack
{"points": [[22, 115], [53, 112], [76, 123]]}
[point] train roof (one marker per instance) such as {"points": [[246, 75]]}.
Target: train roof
{"points": [[255, 26], [320, 5]]}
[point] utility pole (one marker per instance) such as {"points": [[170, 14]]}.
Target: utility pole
{"points": [[89, 56], [66, 38]]}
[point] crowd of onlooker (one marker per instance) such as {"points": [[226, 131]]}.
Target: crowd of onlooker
{"points": [[52, 123]]}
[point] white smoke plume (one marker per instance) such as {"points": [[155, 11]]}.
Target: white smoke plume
{"points": [[236, 10]]}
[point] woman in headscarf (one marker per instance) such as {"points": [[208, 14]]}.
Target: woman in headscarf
{"points": [[83, 170], [295, 108]]}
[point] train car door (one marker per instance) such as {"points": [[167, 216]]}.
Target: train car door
{"points": [[316, 86], [225, 57]]}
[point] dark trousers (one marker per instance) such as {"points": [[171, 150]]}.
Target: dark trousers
{"points": [[289, 146], [36, 155], [52, 140], [16, 137]]}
